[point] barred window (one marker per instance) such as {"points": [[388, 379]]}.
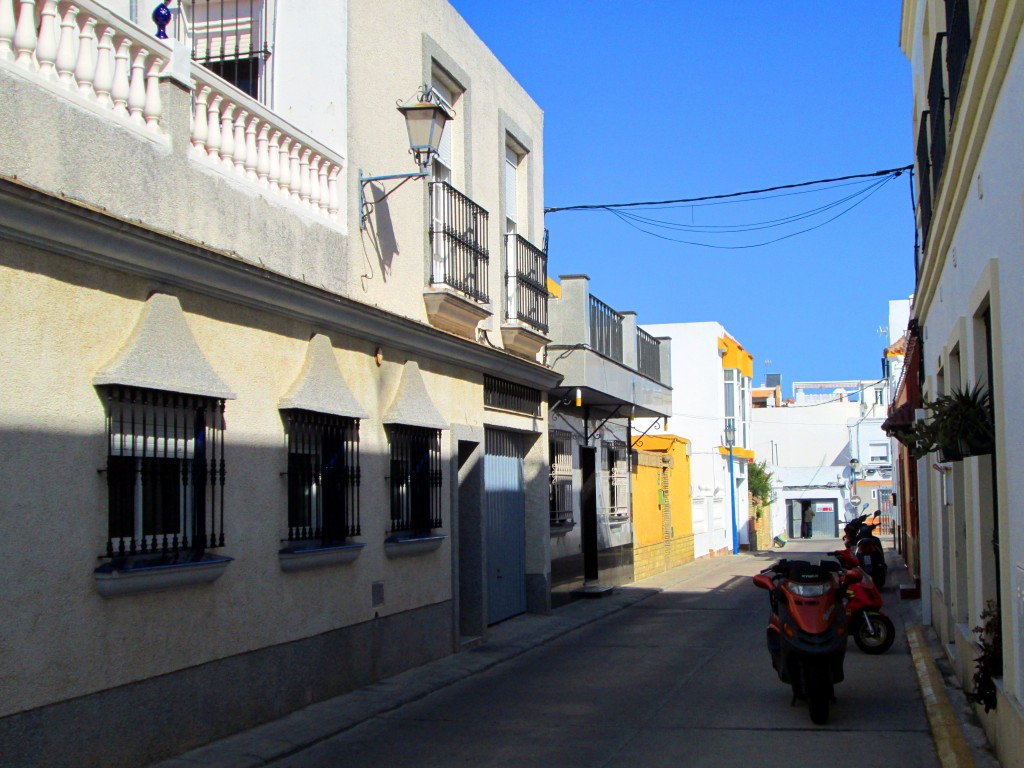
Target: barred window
{"points": [[415, 479], [616, 467], [231, 38], [560, 450], [323, 477], [165, 472]]}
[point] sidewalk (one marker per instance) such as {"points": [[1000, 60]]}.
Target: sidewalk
{"points": [[311, 725]]}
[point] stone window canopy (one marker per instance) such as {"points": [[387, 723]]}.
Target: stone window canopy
{"points": [[412, 405], [320, 386], [163, 354]]}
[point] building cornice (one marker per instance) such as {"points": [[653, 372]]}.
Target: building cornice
{"points": [[76, 230]]}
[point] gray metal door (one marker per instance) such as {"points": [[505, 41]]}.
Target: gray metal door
{"points": [[506, 525], [825, 524]]}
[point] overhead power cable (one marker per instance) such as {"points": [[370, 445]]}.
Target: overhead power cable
{"points": [[894, 172]]}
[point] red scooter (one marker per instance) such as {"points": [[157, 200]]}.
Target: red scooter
{"points": [[807, 628], [872, 630], [860, 538]]}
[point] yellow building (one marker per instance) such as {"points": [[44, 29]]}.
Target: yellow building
{"points": [[662, 507]]}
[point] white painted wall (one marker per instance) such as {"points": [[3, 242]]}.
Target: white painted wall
{"points": [[698, 414]]}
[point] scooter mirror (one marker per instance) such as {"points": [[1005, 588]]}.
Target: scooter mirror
{"points": [[764, 582]]}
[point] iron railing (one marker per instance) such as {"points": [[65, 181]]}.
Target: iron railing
{"points": [[323, 477], [458, 238], [415, 479], [527, 277], [510, 396], [165, 472], [231, 39], [605, 330], [560, 493], [937, 111], [648, 354], [924, 178], [958, 44]]}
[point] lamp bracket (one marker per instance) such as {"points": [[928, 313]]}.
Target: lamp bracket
{"points": [[366, 206]]}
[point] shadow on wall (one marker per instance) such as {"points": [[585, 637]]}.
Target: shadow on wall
{"points": [[380, 229]]}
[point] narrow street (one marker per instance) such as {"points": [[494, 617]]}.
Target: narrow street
{"points": [[682, 678]]}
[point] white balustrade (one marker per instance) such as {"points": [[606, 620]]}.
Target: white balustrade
{"points": [[98, 57], [7, 30], [85, 67], [64, 48], [66, 58]]}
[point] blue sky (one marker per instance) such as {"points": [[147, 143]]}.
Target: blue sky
{"points": [[669, 99]]}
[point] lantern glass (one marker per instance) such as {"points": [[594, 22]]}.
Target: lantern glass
{"points": [[730, 434], [425, 122]]}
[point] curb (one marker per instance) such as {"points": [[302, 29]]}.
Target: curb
{"points": [[950, 744]]}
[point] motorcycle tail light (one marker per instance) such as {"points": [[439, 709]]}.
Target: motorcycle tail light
{"points": [[788, 630], [810, 590]]}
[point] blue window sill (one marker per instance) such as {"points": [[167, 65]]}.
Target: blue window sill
{"points": [[407, 544], [136, 574], [303, 556]]}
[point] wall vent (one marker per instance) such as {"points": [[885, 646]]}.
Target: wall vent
{"points": [[377, 593]]}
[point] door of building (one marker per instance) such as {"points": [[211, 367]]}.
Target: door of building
{"points": [[506, 524], [825, 522]]}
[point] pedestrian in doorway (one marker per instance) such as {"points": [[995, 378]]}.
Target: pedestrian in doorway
{"points": [[807, 518]]}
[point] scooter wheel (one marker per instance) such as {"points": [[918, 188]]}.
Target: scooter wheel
{"points": [[818, 689], [879, 638]]}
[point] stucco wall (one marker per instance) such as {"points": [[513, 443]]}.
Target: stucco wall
{"points": [[71, 320], [433, 36]]}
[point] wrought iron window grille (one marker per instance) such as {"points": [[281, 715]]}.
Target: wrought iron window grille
{"points": [[615, 464], [231, 38], [560, 495], [415, 479], [165, 473], [510, 396], [323, 477]]}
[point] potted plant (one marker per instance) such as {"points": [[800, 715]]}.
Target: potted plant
{"points": [[961, 423], [988, 667]]}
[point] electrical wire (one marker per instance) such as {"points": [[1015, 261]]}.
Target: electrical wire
{"points": [[625, 218], [752, 226], [887, 172]]}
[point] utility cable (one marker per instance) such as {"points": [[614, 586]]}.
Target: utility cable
{"points": [[890, 171]]}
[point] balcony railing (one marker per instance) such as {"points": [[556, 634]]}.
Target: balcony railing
{"points": [[108, 65], [924, 178], [648, 354], [605, 330], [95, 55], [458, 237], [236, 132], [958, 43], [937, 112], [527, 279]]}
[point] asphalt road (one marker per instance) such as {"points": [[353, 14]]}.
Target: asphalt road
{"points": [[682, 678]]}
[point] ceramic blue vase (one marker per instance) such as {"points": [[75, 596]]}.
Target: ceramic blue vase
{"points": [[161, 17]]}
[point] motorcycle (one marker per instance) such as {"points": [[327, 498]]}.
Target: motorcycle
{"points": [[807, 629], [860, 538], [871, 629]]}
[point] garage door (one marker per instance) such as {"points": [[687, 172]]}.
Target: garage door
{"points": [[506, 525]]}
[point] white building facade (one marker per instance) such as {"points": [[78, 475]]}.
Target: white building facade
{"points": [[261, 419], [967, 65], [711, 389]]}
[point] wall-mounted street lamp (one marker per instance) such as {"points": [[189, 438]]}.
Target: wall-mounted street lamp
{"points": [[425, 115], [730, 440]]}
